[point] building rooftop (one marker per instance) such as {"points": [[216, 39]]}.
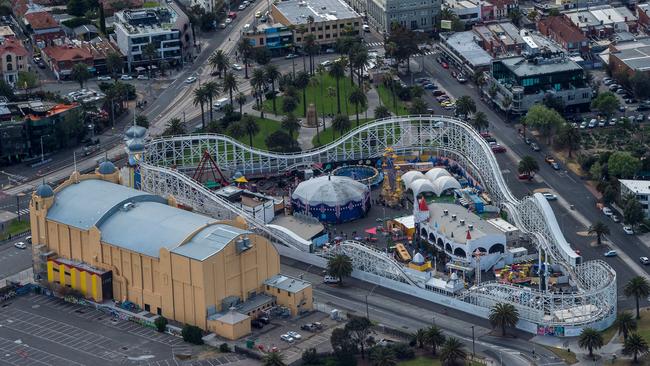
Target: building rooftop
{"points": [[636, 58], [464, 44], [460, 4], [150, 20], [600, 16], [6, 31], [41, 20], [522, 67], [563, 27], [209, 241], [636, 186], [12, 45], [304, 229], [230, 317], [453, 228], [67, 53], [297, 11], [286, 283]]}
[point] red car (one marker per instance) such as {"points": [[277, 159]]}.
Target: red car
{"points": [[445, 65], [498, 149], [485, 134], [525, 177]]}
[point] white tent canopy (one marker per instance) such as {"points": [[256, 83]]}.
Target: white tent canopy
{"points": [[421, 185], [331, 190], [436, 173], [444, 183], [411, 176]]}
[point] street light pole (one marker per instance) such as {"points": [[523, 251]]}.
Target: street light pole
{"points": [[473, 345], [367, 307], [42, 154]]}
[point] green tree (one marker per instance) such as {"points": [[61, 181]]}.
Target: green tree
{"points": [[606, 103], [635, 345], [236, 130], [71, 129], [80, 73], [434, 338], [569, 138], [241, 99], [290, 123], [280, 141], [625, 323], [262, 56], [258, 82], [245, 49], [452, 352], [289, 104], [27, 80], [528, 165], [596, 171], [150, 52], [507, 103], [420, 337], [272, 75], [480, 121], [633, 212], [599, 229], [273, 358], [402, 44], [546, 120], [590, 339], [381, 112], [340, 123], [211, 89], [161, 324], [383, 356], [76, 8], [142, 121], [465, 105], [337, 71], [418, 106], [339, 266], [504, 315], [220, 61], [638, 287], [359, 329], [359, 99], [342, 342], [192, 334], [249, 123], [623, 165], [200, 98], [310, 357], [114, 63], [301, 81], [230, 84], [640, 84], [174, 127]]}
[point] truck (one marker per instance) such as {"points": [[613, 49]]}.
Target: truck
{"points": [[220, 103]]}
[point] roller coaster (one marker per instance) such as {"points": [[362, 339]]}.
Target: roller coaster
{"points": [[167, 163]]}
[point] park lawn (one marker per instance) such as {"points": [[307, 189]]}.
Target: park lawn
{"points": [[387, 99], [643, 324], [324, 103], [420, 361], [267, 127], [568, 357], [150, 4], [16, 227], [327, 135]]}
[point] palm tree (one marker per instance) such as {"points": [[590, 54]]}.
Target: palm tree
{"points": [[258, 81], [272, 74], [245, 49], [274, 358], [418, 106], [635, 345], [337, 71], [590, 339], [569, 137], [249, 124], [174, 127], [480, 121], [381, 111], [114, 63], [331, 92], [420, 337], [241, 99], [340, 123], [311, 48], [434, 338], [358, 98], [504, 315], [80, 73], [314, 82], [625, 323], [360, 60], [465, 105], [211, 90], [446, 14], [230, 84], [506, 103], [599, 229], [220, 61], [528, 165], [383, 356], [290, 123], [637, 287], [339, 266], [302, 82], [452, 352], [150, 51], [201, 98]]}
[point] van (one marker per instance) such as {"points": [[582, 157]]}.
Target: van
{"points": [[331, 279], [220, 103], [366, 28]]}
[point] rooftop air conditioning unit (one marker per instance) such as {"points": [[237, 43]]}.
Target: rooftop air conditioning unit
{"points": [[462, 222], [470, 227], [445, 212], [453, 217]]}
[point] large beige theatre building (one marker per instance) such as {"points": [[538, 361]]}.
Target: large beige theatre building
{"points": [[109, 241]]}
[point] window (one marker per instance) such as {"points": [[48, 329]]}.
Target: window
{"points": [[278, 290], [327, 27], [320, 28], [320, 36], [313, 29], [147, 308], [8, 58], [289, 293], [10, 67], [261, 41], [327, 35], [298, 39], [159, 311]]}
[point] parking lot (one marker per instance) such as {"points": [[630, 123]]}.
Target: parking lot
{"points": [[41, 330]]}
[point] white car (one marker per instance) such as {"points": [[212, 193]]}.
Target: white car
{"points": [[644, 260], [242, 7], [190, 80], [607, 211], [143, 77], [228, 21], [104, 78], [287, 338], [583, 125], [628, 230], [126, 77], [549, 196], [237, 67], [294, 335], [20, 245]]}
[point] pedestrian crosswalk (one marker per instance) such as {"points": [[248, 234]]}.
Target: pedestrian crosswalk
{"points": [[375, 44]]}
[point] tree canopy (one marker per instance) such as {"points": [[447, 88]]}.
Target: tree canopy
{"points": [[546, 120], [606, 103], [623, 165]]}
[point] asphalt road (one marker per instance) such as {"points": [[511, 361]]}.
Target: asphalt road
{"points": [[14, 260]]}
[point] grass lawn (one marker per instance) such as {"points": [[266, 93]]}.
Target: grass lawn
{"points": [[267, 127], [387, 99], [327, 135], [643, 324], [420, 361], [16, 227], [150, 4], [568, 357], [324, 103]]}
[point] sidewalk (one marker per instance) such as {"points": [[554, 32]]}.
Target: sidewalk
{"points": [[604, 356]]}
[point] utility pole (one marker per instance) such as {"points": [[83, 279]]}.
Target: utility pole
{"points": [[473, 344], [18, 197]]}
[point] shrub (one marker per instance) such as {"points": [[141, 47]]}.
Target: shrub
{"points": [[160, 323], [75, 22], [192, 334], [402, 351], [224, 348]]}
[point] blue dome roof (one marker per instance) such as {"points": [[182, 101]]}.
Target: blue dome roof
{"points": [[106, 167], [136, 132], [135, 145], [44, 191]]}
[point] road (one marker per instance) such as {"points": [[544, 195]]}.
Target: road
{"points": [[569, 187], [408, 314]]}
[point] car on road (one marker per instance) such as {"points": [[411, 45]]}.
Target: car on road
{"points": [[461, 78], [534, 146], [549, 159], [615, 218], [294, 335], [228, 21], [444, 65], [104, 78], [610, 253], [126, 77], [143, 77], [330, 50], [430, 86], [190, 80], [20, 245], [497, 149], [525, 177], [555, 165], [644, 260], [290, 56], [549, 196], [287, 338], [241, 7], [366, 28], [258, 14], [607, 211], [237, 67], [628, 230]]}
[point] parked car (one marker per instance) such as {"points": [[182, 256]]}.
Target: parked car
{"points": [[430, 86], [613, 121], [610, 253], [20, 245], [593, 123], [644, 260], [583, 125], [461, 78], [104, 78], [290, 56], [190, 80], [498, 149], [294, 335], [330, 50], [309, 327], [613, 87], [607, 211], [287, 338], [534, 146], [264, 319], [525, 177], [628, 230], [640, 118], [237, 67], [126, 77], [258, 14], [241, 7], [549, 159], [615, 218], [326, 63], [228, 21], [549, 196], [422, 80], [255, 323], [555, 165], [437, 93], [143, 77], [607, 81]]}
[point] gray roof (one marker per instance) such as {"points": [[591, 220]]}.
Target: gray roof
{"points": [[522, 68], [297, 11], [637, 58], [209, 241], [287, 283], [231, 317], [464, 44], [83, 29], [447, 225]]}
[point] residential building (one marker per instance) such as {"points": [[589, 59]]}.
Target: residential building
{"points": [[277, 38], [561, 30], [468, 11], [411, 14], [499, 39], [602, 21], [13, 59], [109, 241], [6, 31], [61, 59], [629, 56], [643, 15], [112, 6], [639, 189], [542, 73], [43, 28], [501, 9], [462, 49], [167, 27], [577, 4], [331, 18]]}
